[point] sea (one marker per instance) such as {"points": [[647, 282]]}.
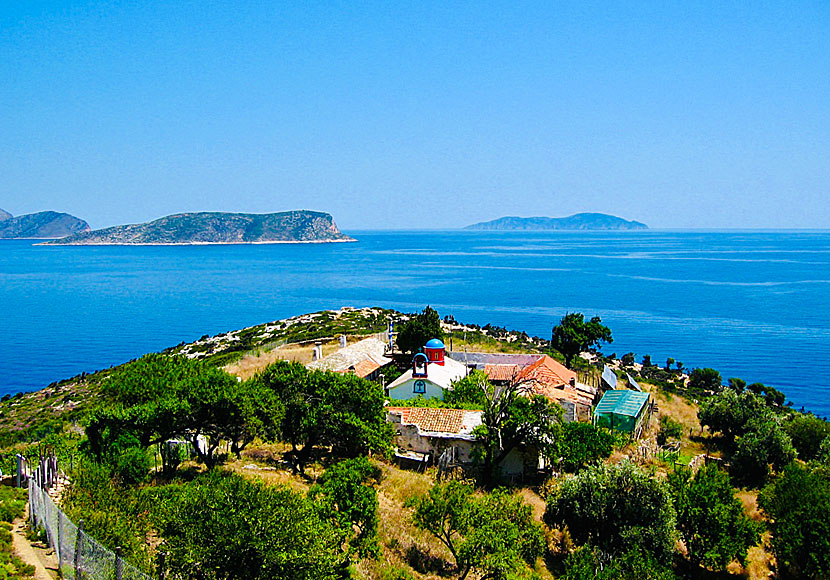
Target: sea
{"points": [[752, 304]]}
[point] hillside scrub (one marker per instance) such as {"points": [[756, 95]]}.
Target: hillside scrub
{"points": [[340, 411], [222, 526], [798, 507], [710, 519], [614, 507], [492, 534]]}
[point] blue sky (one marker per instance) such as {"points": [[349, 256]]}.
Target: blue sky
{"points": [[418, 114]]}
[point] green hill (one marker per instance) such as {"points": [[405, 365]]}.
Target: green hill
{"points": [[579, 221], [219, 228], [43, 225]]}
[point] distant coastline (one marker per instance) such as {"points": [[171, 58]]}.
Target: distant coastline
{"points": [[579, 221], [205, 228], [259, 243]]}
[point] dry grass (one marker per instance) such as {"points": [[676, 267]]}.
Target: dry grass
{"points": [[250, 364], [749, 498], [682, 410]]}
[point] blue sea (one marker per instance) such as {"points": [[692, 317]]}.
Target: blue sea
{"points": [[751, 304]]}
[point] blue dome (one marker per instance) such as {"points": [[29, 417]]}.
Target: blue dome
{"points": [[434, 343]]}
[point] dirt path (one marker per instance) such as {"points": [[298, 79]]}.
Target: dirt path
{"points": [[42, 558]]}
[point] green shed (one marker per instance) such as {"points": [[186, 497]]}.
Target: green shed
{"points": [[622, 410]]}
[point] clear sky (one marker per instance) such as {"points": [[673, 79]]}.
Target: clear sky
{"points": [[419, 114]]}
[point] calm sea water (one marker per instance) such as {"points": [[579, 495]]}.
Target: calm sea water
{"points": [[753, 305]]}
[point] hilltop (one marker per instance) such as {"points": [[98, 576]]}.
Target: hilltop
{"points": [[218, 228], [579, 221], [42, 225]]}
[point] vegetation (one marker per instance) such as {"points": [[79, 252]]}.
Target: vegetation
{"points": [[493, 534], [705, 379], [346, 494], [807, 433], [224, 526], [710, 519], [306, 501], [418, 330], [587, 564], [512, 418], [580, 444], [340, 411], [573, 335], [669, 429], [798, 506], [12, 504], [612, 507]]}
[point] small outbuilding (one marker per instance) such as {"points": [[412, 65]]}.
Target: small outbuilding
{"points": [[623, 410]]}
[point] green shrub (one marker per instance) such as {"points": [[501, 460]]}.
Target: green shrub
{"points": [[669, 429], [711, 520], [798, 505], [614, 508], [223, 526]]}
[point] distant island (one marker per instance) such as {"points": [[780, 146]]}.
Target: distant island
{"points": [[217, 228], [579, 221], [41, 225]]}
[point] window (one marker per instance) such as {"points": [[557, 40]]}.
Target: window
{"points": [[420, 387]]}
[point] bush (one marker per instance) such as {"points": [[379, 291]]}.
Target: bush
{"points": [[705, 380], [807, 433], [583, 443], [347, 497], [798, 506], [765, 444], [132, 465], [493, 534], [587, 564], [669, 429], [12, 503], [615, 508], [226, 527], [711, 520]]}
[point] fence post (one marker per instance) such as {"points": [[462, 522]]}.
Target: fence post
{"points": [[19, 469], [161, 567], [78, 546], [119, 564], [58, 545]]}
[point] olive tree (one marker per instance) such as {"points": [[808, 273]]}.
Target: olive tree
{"points": [[710, 519], [573, 335], [492, 534], [614, 508]]}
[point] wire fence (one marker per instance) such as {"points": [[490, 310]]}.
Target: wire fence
{"points": [[80, 556]]}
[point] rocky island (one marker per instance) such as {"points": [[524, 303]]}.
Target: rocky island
{"points": [[218, 228], [40, 225], [579, 221]]}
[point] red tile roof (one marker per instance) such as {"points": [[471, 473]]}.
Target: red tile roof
{"points": [[432, 419], [501, 372], [363, 368], [553, 380]]}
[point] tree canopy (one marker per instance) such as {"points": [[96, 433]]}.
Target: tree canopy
{"points": [[158, 397], [705, 379], [419, 329], [573, 335], [710, 519], [346, 494], [341, 411], [493, 533], [224, 527], [807, 433], [798, 506], [512, 417], [614, 508], [580, 444]]}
